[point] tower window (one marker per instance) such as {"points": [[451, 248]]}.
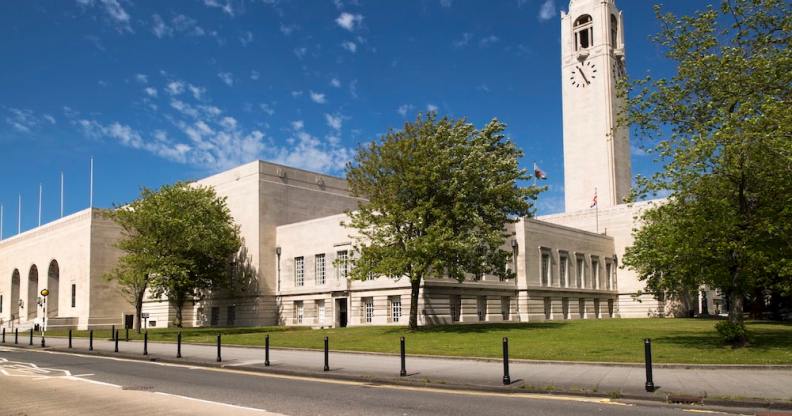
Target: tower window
{"points": [[614, 27], [584, 32]]}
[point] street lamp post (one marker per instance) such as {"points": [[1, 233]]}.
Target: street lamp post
{"points": [[44, 293]]}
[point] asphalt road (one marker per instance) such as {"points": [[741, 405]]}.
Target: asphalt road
{"points": [[248, 391]]}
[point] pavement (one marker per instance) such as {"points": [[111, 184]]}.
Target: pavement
{"points": [[47, 382], [756, 386]]}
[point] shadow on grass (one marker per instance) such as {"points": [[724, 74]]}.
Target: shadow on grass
{"points": [[477, 328], [761, 340]]}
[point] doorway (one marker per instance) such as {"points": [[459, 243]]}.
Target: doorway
{"points": [[341, 312]]}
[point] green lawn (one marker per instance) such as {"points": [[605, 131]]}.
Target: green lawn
{"points": [[674, 340]]}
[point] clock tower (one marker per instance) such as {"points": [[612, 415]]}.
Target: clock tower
{"points": [[596, 149]]}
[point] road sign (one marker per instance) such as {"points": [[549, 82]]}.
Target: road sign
{"points": [[144, 315]]}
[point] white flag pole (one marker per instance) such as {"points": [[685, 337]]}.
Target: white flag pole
{"points": [[596, 208], [19, 215], [41, 188], [90, 204], [61, 196], [1, 221]]}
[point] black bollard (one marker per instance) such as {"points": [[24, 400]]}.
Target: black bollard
{"points": [[116, 340], [126, 335], [266, 351], [327, 355], [31, 337], [219, 357], [3, 335], [650, 387], [90, 340], [112, 332], [145, 343], [403, 371], [506, 377], [178, 345], [16, 335], [70, 338]]}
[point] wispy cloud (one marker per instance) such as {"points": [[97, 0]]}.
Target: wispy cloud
{"points": [[318, 98], [175, 87], [309, 152], [300, 52], [255, 75], [116, 14], [463, 41], [335, 83], [246, 38], [288, 29], [488, 41], [224, 6], [431, 108], [547, 10], [349, 21], [350, 46], [446, 3], [151, 91], [179, 24], [404, 109], [334, 121], [227, 78], [25, 120]]}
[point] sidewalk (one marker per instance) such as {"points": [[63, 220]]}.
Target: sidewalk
{"points": [[715, 384]]}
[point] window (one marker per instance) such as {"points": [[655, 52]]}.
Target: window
{"points": [[584, 32], [610, 308], [320, 312], [214, 320], [563, 262], [505, 308], [367, 306], [595, 275], [597, 309], [565, 307], [319, 269], [614, 23], [299, 312], [1, 303], [608, 275], [546, 272], [455, 305], [481, 308], [582, 308], [395, 308], [342, 266], [580, 272], [299, 271], [73, 296], [231, 315], [548, 308]]}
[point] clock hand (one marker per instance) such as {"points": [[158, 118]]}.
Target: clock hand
{"points": [[584, 75]]}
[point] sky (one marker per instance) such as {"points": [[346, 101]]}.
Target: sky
{"points": [[157, 92]]}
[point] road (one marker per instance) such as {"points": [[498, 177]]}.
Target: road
{"points": [[43, 382]]}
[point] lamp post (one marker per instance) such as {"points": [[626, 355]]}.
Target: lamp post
{"points": [[44, 293]]}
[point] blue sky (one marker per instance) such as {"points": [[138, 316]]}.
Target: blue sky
{"points": [[164, 91]]}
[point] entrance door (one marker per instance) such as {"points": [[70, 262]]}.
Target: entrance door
{"points": [[341, 307]]}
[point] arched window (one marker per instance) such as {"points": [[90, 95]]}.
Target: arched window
{"points": [[584, 32], [614, 26]]}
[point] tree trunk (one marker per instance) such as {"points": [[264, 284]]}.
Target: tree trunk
{"points": [[179, 303], [736, 300], [138, 313], [415, 287]]}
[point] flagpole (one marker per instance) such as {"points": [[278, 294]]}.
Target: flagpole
{"points": [[596, 208], [90, 203], [39, 207], [19, 215], [1, 221], [61, 196]]}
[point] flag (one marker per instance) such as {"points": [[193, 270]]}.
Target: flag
{"points": [[594, 200], [539, 173]]}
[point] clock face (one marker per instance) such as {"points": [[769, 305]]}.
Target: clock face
{"points": [[583, 74]]}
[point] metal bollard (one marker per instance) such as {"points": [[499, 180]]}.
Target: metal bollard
{"points": [[16, 335], [219, 357], [266, 351], [126, 338], [70, 338], [90, 340], [327, 355], [145, 343], [31, 337], [506, 377], [112, 332], [116, 340], [3, 335], [178, 345], [43, 344], [403, 371], [650, 387]]}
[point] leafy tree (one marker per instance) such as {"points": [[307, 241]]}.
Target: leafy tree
{"points": [[438, 194], [182, 238], [722, 128]]}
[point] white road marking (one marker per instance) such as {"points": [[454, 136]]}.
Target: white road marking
{"points": [[213, 402]]}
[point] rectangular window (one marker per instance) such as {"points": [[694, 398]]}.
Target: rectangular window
{"points": [[367, 310], [299, 271], [214, 320], [395, 308], [582, 308], [1, 303], [455, 306], [481, 308], [548, 308], [565, 307], [320, 312], [299, 312], [610, 308], [608, 275], [505, 308], [231, 315], [546, 272], [342, 266], [319, 269], [580, 272], [597, 309], [595, 273], [73, 296], [562, 264]]}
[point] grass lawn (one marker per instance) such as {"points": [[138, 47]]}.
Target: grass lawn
{"points": [[616, 340]]}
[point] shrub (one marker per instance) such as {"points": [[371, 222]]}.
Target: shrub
{"points": [[733, 333]]}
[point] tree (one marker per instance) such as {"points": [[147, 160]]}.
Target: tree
{"points": [[722, 129], [182, 238], [437, 196]]}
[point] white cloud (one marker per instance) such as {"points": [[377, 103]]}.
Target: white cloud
{"points": [[296, 94], [175, 87], [349, 21], [300, 52], [335, 82], [287, 29], [117, 16], [547, 10], [267, 109], [350, 46], [227, 78], [309, 152], [26, 120], [334, 121], [318, 98], [224, 6], [488, 40], [151, 92], [431, 108], [404, 109], [463, 41], [446, 3], [159, 28], [141, 78], [197, 92], [254, 75], [246, 38], [298, 124], [178, 24]]}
